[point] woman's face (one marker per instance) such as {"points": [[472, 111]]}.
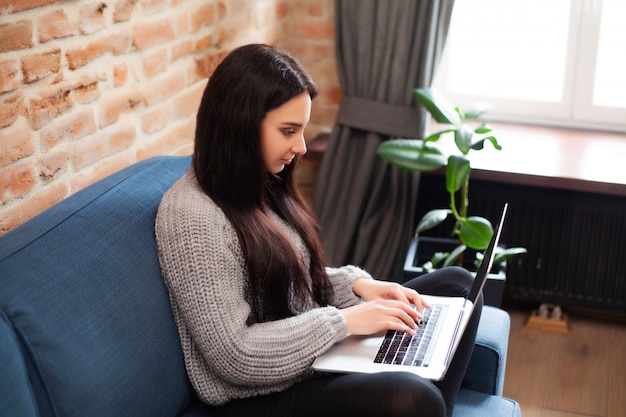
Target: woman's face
{"points": [[282, 132]]}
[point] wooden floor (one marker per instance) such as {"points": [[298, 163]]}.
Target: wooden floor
{"points": [[582, 373]]}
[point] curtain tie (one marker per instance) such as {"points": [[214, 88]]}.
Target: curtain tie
{"points": [[375, 116]]}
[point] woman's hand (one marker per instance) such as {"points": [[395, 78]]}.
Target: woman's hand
{"points": [[370, 289], [388, 306], [378, 315]]}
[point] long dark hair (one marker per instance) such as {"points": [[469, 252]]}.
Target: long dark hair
{"points": [[251, 81]]}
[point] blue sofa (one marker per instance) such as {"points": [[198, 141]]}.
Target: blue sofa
{"points": [[86, 327]]}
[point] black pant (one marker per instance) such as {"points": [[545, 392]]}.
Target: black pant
{"points": [[388, 394]]}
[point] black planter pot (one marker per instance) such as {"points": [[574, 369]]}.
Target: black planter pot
{"points": [[421, 250]]}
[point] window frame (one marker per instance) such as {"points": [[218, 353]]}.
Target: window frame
{"points": [[575, 110]]}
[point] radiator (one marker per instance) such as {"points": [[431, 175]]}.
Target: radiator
{"points": [[576, 241]]}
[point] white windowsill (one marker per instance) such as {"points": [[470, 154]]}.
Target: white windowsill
{"points": [[582, 160]]}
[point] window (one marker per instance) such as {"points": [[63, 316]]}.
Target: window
{"points": [[552, 62]]}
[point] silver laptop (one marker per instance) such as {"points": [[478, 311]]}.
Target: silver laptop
{"points": [[430, 351]]}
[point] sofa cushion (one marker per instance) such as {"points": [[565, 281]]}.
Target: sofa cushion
{"points": [[16, 398], [471, 403], [81, 287], [485, 371]]}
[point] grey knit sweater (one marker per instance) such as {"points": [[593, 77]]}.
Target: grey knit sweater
{"points": [[205, 275]]}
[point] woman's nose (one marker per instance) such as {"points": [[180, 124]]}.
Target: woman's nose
{"points": [[300, 146]]}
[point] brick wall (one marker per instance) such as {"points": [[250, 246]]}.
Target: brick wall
{"points": [[89, 87]]}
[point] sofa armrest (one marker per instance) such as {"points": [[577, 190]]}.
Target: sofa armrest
{"points": [[485, 372], [471, 403]]}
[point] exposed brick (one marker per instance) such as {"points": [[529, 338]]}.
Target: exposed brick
{"points": [[120, 74], [113, 106], [155, 63], [322, 113], [121, 42], [92, 17], [204, 42], [333, 94], [203, 16], [84, 94], [10, 108], [53, 162], [107, 142], [195, 34], [117, 44], [185, 150], [181, 25], [178, 136], [182, 49], [192, 75], [156, 119], [85, 89], [13, 6], [102, 169], [272, 36], [152, 33], [283, 9], [151, 7], [22, 212], [265, 17], [123, 10], [237, 29], [16, 180], [55, 25], [16, 35], [221, 10], [241, 6], [37, 66], [298, 49], [323, 53], [50, 104], [16, 143], [186, 104], [9, 75], [68, 128], [161, 88], [206, 65], [316, 9], [315, 29]]}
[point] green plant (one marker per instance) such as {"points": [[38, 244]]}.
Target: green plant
{"points": [[427, 155]]}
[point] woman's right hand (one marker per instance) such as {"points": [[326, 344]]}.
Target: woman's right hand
{"points": [[378, 315]]}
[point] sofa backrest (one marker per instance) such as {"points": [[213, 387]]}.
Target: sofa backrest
{"points": [[86, 327]]}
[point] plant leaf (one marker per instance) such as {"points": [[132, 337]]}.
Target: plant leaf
{"points": [[476, 232], [435, 136], [432, 219], [476, 111], [457, 170], [437, 105], [411, 154], [438, 257], [463, 139], [479, 144], [483, 129], [506, 254], [428, 266], [454, 255]]}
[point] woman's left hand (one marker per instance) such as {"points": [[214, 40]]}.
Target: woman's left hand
{"points": [[371, 289]]}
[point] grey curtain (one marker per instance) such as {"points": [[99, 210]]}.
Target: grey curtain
{"points": [[385, 48]]}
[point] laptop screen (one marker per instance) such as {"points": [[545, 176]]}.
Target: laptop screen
{"points": [[486, 264]]}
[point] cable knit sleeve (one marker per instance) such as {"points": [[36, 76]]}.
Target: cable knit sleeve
{"points": [[343, 281], [204, 272]]}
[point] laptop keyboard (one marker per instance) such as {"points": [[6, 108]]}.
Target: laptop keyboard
{"points": [[399, 348]]}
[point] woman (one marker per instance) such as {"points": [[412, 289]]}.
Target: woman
{"points": [[242, 259]]}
